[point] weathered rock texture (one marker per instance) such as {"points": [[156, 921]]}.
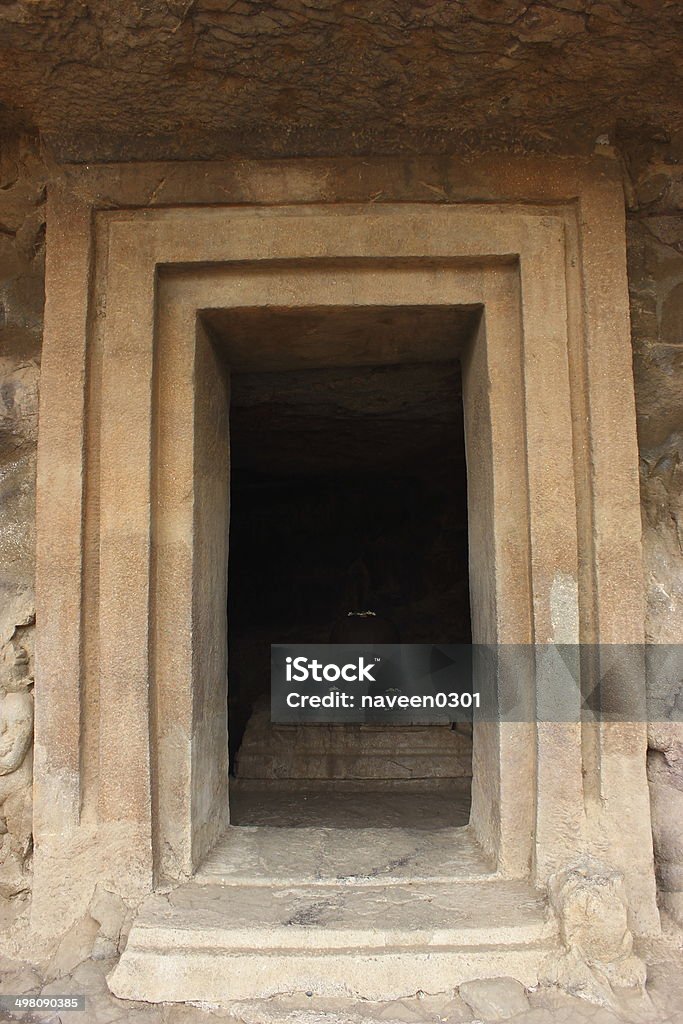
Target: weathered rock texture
{"points": [[655, 250], [174, 78], [22, 220], [590, 903], [21, 301], [499, 997]]}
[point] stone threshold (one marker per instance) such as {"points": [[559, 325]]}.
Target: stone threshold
{"points": [[334, 925], [277, 856]]}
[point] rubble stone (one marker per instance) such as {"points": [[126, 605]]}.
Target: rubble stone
{"points": [[495, 998]]}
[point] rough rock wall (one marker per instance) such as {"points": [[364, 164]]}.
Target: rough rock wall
{"points": [[22, 187], [655, 251], [174, 79]]}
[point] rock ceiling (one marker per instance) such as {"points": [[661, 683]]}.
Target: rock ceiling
{"points": [[336, 389], [405, 419], [149, 79]]}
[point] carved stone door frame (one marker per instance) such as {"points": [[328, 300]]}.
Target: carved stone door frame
{"points": [[130, 766]]}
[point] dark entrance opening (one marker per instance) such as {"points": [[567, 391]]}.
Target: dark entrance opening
{"points": [[348, 494]]}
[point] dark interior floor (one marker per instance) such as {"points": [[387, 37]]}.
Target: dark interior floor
{"points": [[303, 805]]}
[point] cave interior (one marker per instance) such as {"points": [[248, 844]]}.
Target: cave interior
{"points": [[348, 492]]}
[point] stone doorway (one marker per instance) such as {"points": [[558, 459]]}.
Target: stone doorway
{"points": [[348, 492], [131, 765]]}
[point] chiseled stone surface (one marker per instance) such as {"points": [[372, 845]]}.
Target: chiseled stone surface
{"points": [[357, 939], [318, 855], [123, 669]]}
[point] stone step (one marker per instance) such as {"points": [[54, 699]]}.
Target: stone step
{"points": [[355, 738], [338, 751], [219, 943], [339, 765], [344, 856]]}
